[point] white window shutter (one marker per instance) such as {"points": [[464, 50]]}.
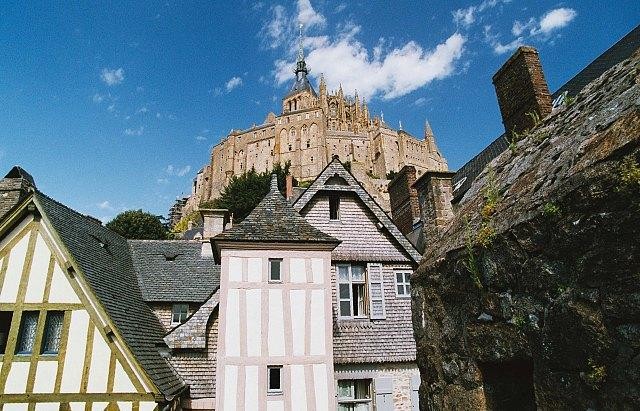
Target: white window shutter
{"points": [[415, 387], [384, 393], [376, 291]]}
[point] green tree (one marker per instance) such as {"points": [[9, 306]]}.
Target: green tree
{"points": [[138, 225], [244, 191]]}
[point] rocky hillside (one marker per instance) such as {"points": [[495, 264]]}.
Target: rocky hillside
{"points": [[531, 297]]}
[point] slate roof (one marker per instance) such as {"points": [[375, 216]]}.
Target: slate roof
{"points": [[301, 85], [174, 270], [336, 167], [104, 260], [274, 220], [619, 51]]}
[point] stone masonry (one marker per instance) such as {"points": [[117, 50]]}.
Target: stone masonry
{"points": [[311, 129], [532, 292]]}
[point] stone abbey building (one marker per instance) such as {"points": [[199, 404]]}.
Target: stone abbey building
{"points": [[312, 128]]}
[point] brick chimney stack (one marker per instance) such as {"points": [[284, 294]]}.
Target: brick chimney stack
{"points": [[521, 88], [14, 187], [405, 209], [434, 196], [289, 187]]}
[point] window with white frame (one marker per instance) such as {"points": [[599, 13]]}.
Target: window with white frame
{"points": [[179, 313], [354, 395], [352, 288], [275, 270], [403, 286], [360, 291]]}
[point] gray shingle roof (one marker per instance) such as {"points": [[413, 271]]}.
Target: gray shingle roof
{"points": [[174, 270], [612, 56], [104, 260], [335, 167], [275, 220]]}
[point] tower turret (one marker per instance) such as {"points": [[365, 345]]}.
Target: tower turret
{"points": [[302, 95]]}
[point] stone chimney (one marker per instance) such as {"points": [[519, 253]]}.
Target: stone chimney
{"points": [[213, 221], [521, 89], [434, 196], [405, 209], [15, 186], [289, 187]]}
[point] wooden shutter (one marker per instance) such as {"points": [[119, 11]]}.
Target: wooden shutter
{"points": [[415, 398], [376, 291], [384, 394]]}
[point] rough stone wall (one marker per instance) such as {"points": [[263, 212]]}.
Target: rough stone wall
{"points": [[403, 375], [538, 274]]}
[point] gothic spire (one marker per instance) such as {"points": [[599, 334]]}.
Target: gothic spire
{"points": [[301, 66]]}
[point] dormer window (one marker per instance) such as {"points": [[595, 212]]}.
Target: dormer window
{"points": [[334, 207], [179, 313]]}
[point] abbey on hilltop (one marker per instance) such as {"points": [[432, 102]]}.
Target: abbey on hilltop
{"points": [[312, 128]]}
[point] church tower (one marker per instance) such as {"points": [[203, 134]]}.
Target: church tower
{"points": [[302, 95]]}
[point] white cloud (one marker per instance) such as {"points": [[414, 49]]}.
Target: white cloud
{"points": [[554, 19], [465, 17], [169, 170], [420, 102], [97, 98], [111, 108], [201, 138], [498, 47], [395, 73], [519, 28], [105, 205], [162, 181], [134, 131], [308, 17], [276, 30], [112, 76], [183, 171], [234, 82], [142, 110]]}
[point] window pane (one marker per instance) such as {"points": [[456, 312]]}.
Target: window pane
{"points": [[400, 289], [362, 389], [52, 331], [345, 308], [399, 277], [27, 334], [357, 273], [344, 291], [274, 379], [343, 273], [5, 325], [358, 299], [408, 289], [275, 269], [345, 389]]}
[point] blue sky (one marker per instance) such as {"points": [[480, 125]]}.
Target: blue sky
{"points": [[114, 108]]}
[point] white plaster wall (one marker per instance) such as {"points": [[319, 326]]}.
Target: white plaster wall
{"points": [[276, 345], [100, 357], [12, 277], [44, 381], [232, 330], [286, 323], [230, 387], [298, 320], [17, 378], [61, 291], [38, 272], [76, 345], [254, 323]]}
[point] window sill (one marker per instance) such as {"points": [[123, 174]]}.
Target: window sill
{"points": [[275, 393]]}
